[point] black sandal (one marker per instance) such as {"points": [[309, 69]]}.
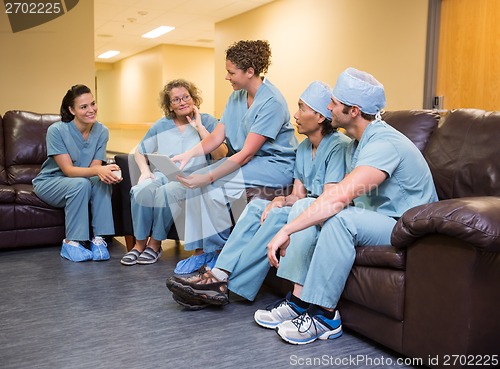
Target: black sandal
{"points": [[131, 257], [149, 256]]}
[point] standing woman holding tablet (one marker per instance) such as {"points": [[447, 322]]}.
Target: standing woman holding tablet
{"points": [[157, 202], [256, 127]]}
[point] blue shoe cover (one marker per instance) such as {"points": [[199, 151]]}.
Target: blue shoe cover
{"points": [[213, 260], [191, 264], [74, 251], [99, 249]]}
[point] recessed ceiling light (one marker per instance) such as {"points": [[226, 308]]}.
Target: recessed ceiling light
{"points": [[158, 32], [108, 54]]}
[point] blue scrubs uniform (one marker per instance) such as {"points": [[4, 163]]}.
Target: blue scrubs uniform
{"points": [[157, 203], [208, 220], [320, 259], [75, 194], [245, 253]]}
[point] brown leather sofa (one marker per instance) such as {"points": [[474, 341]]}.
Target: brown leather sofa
{"points": [[452, 273], [434, 293], [25, 220]]}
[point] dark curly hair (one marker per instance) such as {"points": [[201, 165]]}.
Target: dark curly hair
{"points": [[250, 54], [69, 100], [193, 91]]}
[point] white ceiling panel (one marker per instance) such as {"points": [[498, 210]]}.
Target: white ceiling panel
{"points": [[119, 24]]}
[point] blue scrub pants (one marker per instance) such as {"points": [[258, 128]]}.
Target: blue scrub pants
{"points": [[155, 205], [208, 209], [320, 259], [245, 252], [74, 195]]}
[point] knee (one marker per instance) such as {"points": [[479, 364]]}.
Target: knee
{"points": [[171, 192], [277, 213], [299, 207], [101, 187], [257, 205], [81, 186], [341, 222], [142, 195]]}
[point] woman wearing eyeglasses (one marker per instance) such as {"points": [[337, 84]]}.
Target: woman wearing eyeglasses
{"points": [[256, 127], [156, 202]]}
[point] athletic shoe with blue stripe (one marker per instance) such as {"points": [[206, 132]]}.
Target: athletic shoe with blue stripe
{"points": [[310, 326], [277, 313]]}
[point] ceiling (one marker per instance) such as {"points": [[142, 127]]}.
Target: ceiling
{"points": [[119, 24]]}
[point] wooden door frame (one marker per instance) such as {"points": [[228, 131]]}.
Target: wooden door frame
{"points": [[431, 54]]}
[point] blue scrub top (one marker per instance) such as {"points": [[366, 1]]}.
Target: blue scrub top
{"points": [[65, 138], [409, 182], [165, 138], [327, 166], [267, 116]]}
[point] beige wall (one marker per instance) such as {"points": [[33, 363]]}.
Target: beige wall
{"points": [[40, 64], [128, 90], [318, 39]]}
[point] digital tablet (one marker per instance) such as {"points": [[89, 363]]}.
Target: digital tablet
{"points": [[165, 165]]}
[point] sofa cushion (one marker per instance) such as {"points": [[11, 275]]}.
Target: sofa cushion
{"points": [[8, 222], [7, 194], [380, 257], [463, 154], [26, 196], [25, 147], [417, 125]]}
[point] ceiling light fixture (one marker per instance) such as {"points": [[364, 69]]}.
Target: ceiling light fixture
{"points": [[108, 54], [158, 32]]}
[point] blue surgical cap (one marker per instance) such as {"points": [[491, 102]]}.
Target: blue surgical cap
{"points": [[318, 96], [355, 87]]}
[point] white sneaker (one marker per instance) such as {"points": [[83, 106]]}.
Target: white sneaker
{"points": [[310, 326], [281, 311]]}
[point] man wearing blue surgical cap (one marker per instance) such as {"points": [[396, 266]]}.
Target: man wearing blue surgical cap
{"points": [[386, 175], [242, 264]]}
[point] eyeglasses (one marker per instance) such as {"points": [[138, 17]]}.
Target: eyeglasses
{"points": [[177, 100]]}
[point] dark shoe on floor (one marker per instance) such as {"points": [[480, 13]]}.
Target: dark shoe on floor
{"points": [[189, 305], [130, 258], [149, 256], [202, 287]]}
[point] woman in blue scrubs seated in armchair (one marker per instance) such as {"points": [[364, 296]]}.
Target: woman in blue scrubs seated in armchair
{"points": [[73, 176], [256, 126], [157, 202]]}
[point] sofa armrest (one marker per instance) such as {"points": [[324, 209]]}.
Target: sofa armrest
{"points": [[475, 220], [121, 194]]}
